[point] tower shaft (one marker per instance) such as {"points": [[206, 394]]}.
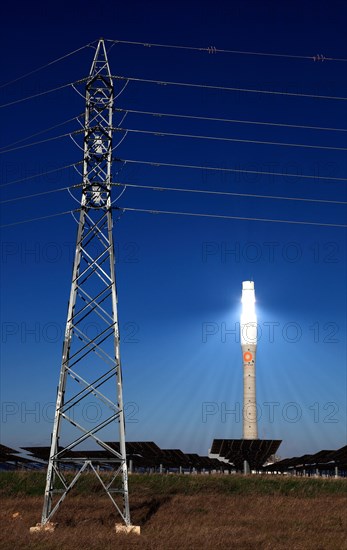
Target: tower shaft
{"points": [[249, 347], [250, 427], [90, 376]]}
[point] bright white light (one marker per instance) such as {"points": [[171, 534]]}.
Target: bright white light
{"points": [[248, 326]]}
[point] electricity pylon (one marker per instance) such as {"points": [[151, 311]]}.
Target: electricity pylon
{"points": [[90, 381]]}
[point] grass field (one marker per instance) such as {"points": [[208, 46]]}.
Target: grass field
{"points": [[179, 512]]}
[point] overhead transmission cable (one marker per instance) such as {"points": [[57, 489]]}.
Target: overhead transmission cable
{"points": [[39, 94], [177, 213], [226, 193], [180, 190], [41, 132], [46, 65], [226, 88], [9, 149], [37, 219], [230, 120], [155, 164], [237, 140], [155, 114], [226, 217], [39, 175], [214, 50], [35, 195], [2, 152], [181, 135]]}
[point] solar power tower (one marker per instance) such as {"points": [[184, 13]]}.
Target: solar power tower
{"points": [[249, 453], [89, 397]]}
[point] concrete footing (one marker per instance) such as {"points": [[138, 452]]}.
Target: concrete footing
{"points": [[126, 529], [48, 527]]}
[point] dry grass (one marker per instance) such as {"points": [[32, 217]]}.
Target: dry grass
{"points": [[183, 519]]}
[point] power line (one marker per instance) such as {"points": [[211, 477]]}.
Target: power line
{"points": [[227, 193], [42, 131], [41, 174], [33, 195], [172, 134], [184, 84], [41, 141], [46, 65], [224, 217], [182, 190], [213, 50], [226, 88], [231, 120], [41, 93], [215, 138], [37, 219], [192, 214], [173, 165], [155, 164]]}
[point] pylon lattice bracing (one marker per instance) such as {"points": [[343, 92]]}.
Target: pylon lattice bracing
{"points": [[89, 398]]}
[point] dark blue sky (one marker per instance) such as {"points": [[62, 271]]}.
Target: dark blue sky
{"points": [[179, 278]]}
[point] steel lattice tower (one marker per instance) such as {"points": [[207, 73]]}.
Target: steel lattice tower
{"points": [[90, 377]]}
